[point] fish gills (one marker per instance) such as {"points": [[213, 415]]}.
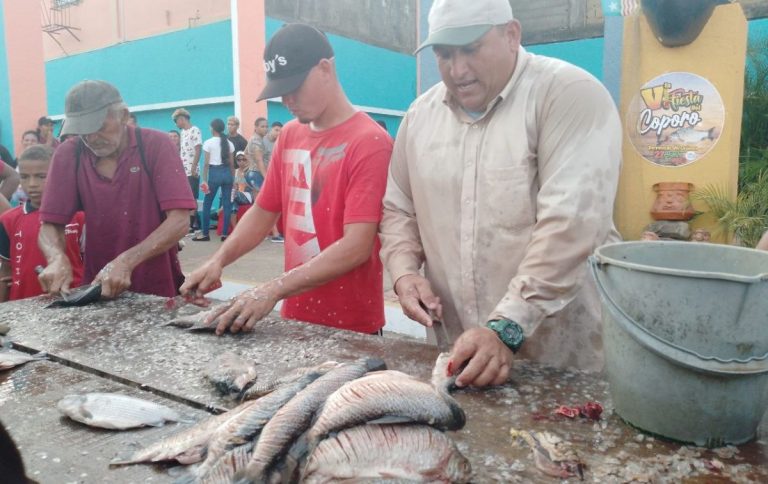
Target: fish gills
{"points": [[389, 396], [247, 424], [186, 447], [294, 418], [413, 453], [115, 411], [443, 377]]}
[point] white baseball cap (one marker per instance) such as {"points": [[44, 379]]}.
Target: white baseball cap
{"points": [[461, 22]]}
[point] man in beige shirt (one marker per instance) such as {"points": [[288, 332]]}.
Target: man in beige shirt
{"points": [[502, 182]]}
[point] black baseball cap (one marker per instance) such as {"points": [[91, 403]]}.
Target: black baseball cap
{"points": [[290, 54]]}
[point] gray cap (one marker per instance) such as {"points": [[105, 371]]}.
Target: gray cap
{"points": [[86, 106]]}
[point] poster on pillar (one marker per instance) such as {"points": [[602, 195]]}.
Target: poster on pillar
{"points": [[675, 119]]}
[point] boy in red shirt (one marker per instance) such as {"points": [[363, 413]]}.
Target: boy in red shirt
{"points": [[327, 177], [19, 228]]}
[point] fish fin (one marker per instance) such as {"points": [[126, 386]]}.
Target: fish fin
{"points": [[390, 419], [125, 457]]}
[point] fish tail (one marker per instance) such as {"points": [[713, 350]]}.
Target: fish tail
{"points": [[123, 458]]}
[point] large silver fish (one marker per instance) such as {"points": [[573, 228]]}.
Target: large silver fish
{"points": [[230, 373], [10, 358], [186, 447], [294, 418], [245, 426], [115, 411], [388, 453], [262, 386], [386, 397]]}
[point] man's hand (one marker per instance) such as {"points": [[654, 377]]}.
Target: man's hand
{"points": [[115, 277], [202, 280], [56, 277], [413, 290], [489, 358], [244, 310]]}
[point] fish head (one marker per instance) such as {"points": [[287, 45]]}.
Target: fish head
{"points": [[71, 403], [443, 375]]}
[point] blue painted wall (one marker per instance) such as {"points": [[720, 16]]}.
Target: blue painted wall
{"points": [[585, 53], [6, 128], [185, 64], [371, 76]]}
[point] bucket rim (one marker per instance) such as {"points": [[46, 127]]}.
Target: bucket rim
{"points": [[603, 259], [666, 349]]}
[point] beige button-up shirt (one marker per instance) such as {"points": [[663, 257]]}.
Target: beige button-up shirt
{"points": [[503, 210]]}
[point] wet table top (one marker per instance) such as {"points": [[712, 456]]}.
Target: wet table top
{"points": [[126, 346]]}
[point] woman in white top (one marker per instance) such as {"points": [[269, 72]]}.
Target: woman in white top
{"points": [[218, 172]]}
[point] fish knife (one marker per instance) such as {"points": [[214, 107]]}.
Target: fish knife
{"points": [[441, 334]]}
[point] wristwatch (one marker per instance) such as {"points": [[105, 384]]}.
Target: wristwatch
{"points": [[510, 333]]}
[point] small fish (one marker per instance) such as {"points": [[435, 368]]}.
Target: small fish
{"points": [[387, 453], [196, 321], [260, 387], [386, 397], [115, 411], [10, 358], [691, 136], [231, 373], [186, 447], [247, 424], [294, 418], [552, 455]]}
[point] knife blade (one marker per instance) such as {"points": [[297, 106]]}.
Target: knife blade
{"points": [[438, 327]]}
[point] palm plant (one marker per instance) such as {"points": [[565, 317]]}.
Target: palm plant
{"points": [[746, 218]]}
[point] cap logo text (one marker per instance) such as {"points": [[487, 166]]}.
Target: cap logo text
{"points": [[270, 65]]}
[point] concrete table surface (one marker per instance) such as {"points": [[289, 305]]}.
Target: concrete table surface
{"points": [[126, 346]]}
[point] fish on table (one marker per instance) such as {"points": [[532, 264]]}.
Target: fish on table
{"points": [[230, 373], [185, 447], [262, 386], [196, 321], [386, 397], [294, 418], [246, 426], [115, 411], [11, 358], [391, 453]]}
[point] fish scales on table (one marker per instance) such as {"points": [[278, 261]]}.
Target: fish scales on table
{"points": [[386, 397], [230, 373], [249, 423], [387, 453], [552, 455], [294, 418], [115, 411], [263, 386], [186, 447], [11, 358]]}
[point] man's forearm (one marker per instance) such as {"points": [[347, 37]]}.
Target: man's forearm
{"points": [[173, 228], [352, 250], [9, 181], [52, 242]]}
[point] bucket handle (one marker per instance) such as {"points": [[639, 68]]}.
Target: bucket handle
{"points": [[678, 354]]}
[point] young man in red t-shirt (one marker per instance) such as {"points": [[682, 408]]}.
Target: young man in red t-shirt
{"points": [[19, 229], [327, 177]]}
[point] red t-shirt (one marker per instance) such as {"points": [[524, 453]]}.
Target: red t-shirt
{"points": [[19, 229], [321, 181], [124, 210]]}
